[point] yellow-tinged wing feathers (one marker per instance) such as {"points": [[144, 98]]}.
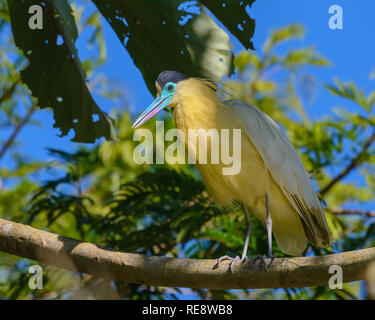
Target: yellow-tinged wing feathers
{"points": [[286, 168]]}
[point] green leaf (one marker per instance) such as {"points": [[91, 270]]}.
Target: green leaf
{"points": [[304, 56], [170, 35], [242, 61], [350, 91], [54, 74], [280, 35], [232, 13], [371, 100]]}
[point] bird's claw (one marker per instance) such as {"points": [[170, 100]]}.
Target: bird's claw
{"points": [[262, 262], [232, 263], [246, 260]]}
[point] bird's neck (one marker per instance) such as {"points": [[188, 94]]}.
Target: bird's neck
{"points": [[197, 106]]}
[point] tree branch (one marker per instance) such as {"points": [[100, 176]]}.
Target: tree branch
{"points": [[8, 92], [16, 131], [58, 251], [353, 164], [367, 214]]}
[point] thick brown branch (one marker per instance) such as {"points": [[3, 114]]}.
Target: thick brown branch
{"points": [[353, 164], [52, 249]]}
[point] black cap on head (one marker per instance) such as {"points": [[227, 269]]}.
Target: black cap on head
{"points": [[170, 76]]}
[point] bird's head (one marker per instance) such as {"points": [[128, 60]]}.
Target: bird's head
{"points": [[166, 85]]}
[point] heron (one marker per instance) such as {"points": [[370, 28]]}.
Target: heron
{"points": [[272, 184]]}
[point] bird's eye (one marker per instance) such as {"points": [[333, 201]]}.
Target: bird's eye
{"points": [[170, 87]]}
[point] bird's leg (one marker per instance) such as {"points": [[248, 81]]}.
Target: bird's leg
{"points": [[269, 226], [245, 248], [269, 234], [249, 228]]}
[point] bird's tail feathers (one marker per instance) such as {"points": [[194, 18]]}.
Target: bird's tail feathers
{"points": [[313, 222]]}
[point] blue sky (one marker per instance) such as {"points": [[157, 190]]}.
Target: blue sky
{"points": [[351, 51]]}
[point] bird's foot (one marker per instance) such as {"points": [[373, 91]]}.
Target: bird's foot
{"points": [[262, 262], [235, 260], [249, 261]]}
